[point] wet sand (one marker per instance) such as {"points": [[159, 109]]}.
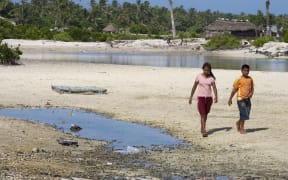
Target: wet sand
{"points": [[153, 96]]}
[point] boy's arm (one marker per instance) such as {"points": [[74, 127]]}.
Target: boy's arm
{"points": [[234, 91], [215, 92], [250, 95], [231, 96], [193, 91]]}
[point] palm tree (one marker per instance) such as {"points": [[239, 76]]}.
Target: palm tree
{"points": [[268, 32], [172, 19], [3, 4]]}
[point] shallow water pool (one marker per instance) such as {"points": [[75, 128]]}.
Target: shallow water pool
{"points": [[120, 134], [181, 60]]}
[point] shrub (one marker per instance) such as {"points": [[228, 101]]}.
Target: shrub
{"points": [[33, 33], [184, 35], [6, 29], [139, 29], [102, 37], [78, 34], [9, 55], [62, 36], [285, 36], [259, 42], [225, 41]]}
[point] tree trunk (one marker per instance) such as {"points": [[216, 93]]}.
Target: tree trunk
{"points": [[268, 30], [172, 19]]}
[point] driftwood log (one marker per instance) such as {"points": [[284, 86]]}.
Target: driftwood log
{"points": [[79, 90]]}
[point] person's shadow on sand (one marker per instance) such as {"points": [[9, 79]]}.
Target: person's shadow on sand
{"points": [[255, 130], [212, 131]]}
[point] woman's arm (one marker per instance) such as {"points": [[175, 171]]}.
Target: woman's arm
{"points": [[215, 92], [193, 91]]}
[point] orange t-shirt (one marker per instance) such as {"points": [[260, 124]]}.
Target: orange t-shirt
{"points": [[244, 86]]}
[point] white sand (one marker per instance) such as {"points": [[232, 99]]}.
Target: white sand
{"points": [[149, 46], [159, 97]]}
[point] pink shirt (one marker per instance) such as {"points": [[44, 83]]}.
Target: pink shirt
{"points": [[204, 86]]}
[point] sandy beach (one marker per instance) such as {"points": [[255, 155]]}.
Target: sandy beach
{"points": [[154, 96]]}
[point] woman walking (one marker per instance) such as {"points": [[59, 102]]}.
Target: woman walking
{"points": [[205, 83]]}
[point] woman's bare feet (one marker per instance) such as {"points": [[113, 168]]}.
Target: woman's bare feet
{"points": [[204, 133]]}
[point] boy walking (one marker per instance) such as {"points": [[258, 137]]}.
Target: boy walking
{"points": [[244, 87]]}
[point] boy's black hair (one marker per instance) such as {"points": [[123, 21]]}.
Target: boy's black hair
{"points": [[210, 67], [245, 66]]}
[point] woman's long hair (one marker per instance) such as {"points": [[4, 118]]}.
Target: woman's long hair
{"points": [[208, 65]]}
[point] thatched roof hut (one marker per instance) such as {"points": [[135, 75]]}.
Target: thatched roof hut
{"points": [[110, 29], [237, 28]]}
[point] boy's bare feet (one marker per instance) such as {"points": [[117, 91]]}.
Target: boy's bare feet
{"points": [[238, 126], [242, 128]]}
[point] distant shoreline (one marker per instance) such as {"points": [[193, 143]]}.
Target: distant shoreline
{"points": [[132, 46]]}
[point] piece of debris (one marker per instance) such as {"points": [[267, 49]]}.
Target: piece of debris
{"points": [[75, 128], [109, 163], [74, 178], [35, 150], [132, 150], [129, 150], [67, 142], [48, 103], [87, 90]]}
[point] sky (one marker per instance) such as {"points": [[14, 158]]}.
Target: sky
{"points": [[227, 6], [230, 6]]}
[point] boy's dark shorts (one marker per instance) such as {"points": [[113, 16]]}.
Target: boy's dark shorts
{"points": [[204, 105], [244, 107]]}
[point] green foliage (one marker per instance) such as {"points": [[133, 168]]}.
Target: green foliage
{"points": [[62, 36], [35, 18], [183, 35], [78, 34], [285, 37], [33, 33], [139, 29], [225, 41], [6, 29], [259, 42], [103, 37], [100, 37], [9, 55]]}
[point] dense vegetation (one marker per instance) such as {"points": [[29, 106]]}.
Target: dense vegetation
{"points": [[260, 41], [285, 37], [68, 21], [9, 55], [225, 41]]}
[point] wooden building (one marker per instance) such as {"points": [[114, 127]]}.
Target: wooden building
{"points": [[110, 29], [242, 29]]}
